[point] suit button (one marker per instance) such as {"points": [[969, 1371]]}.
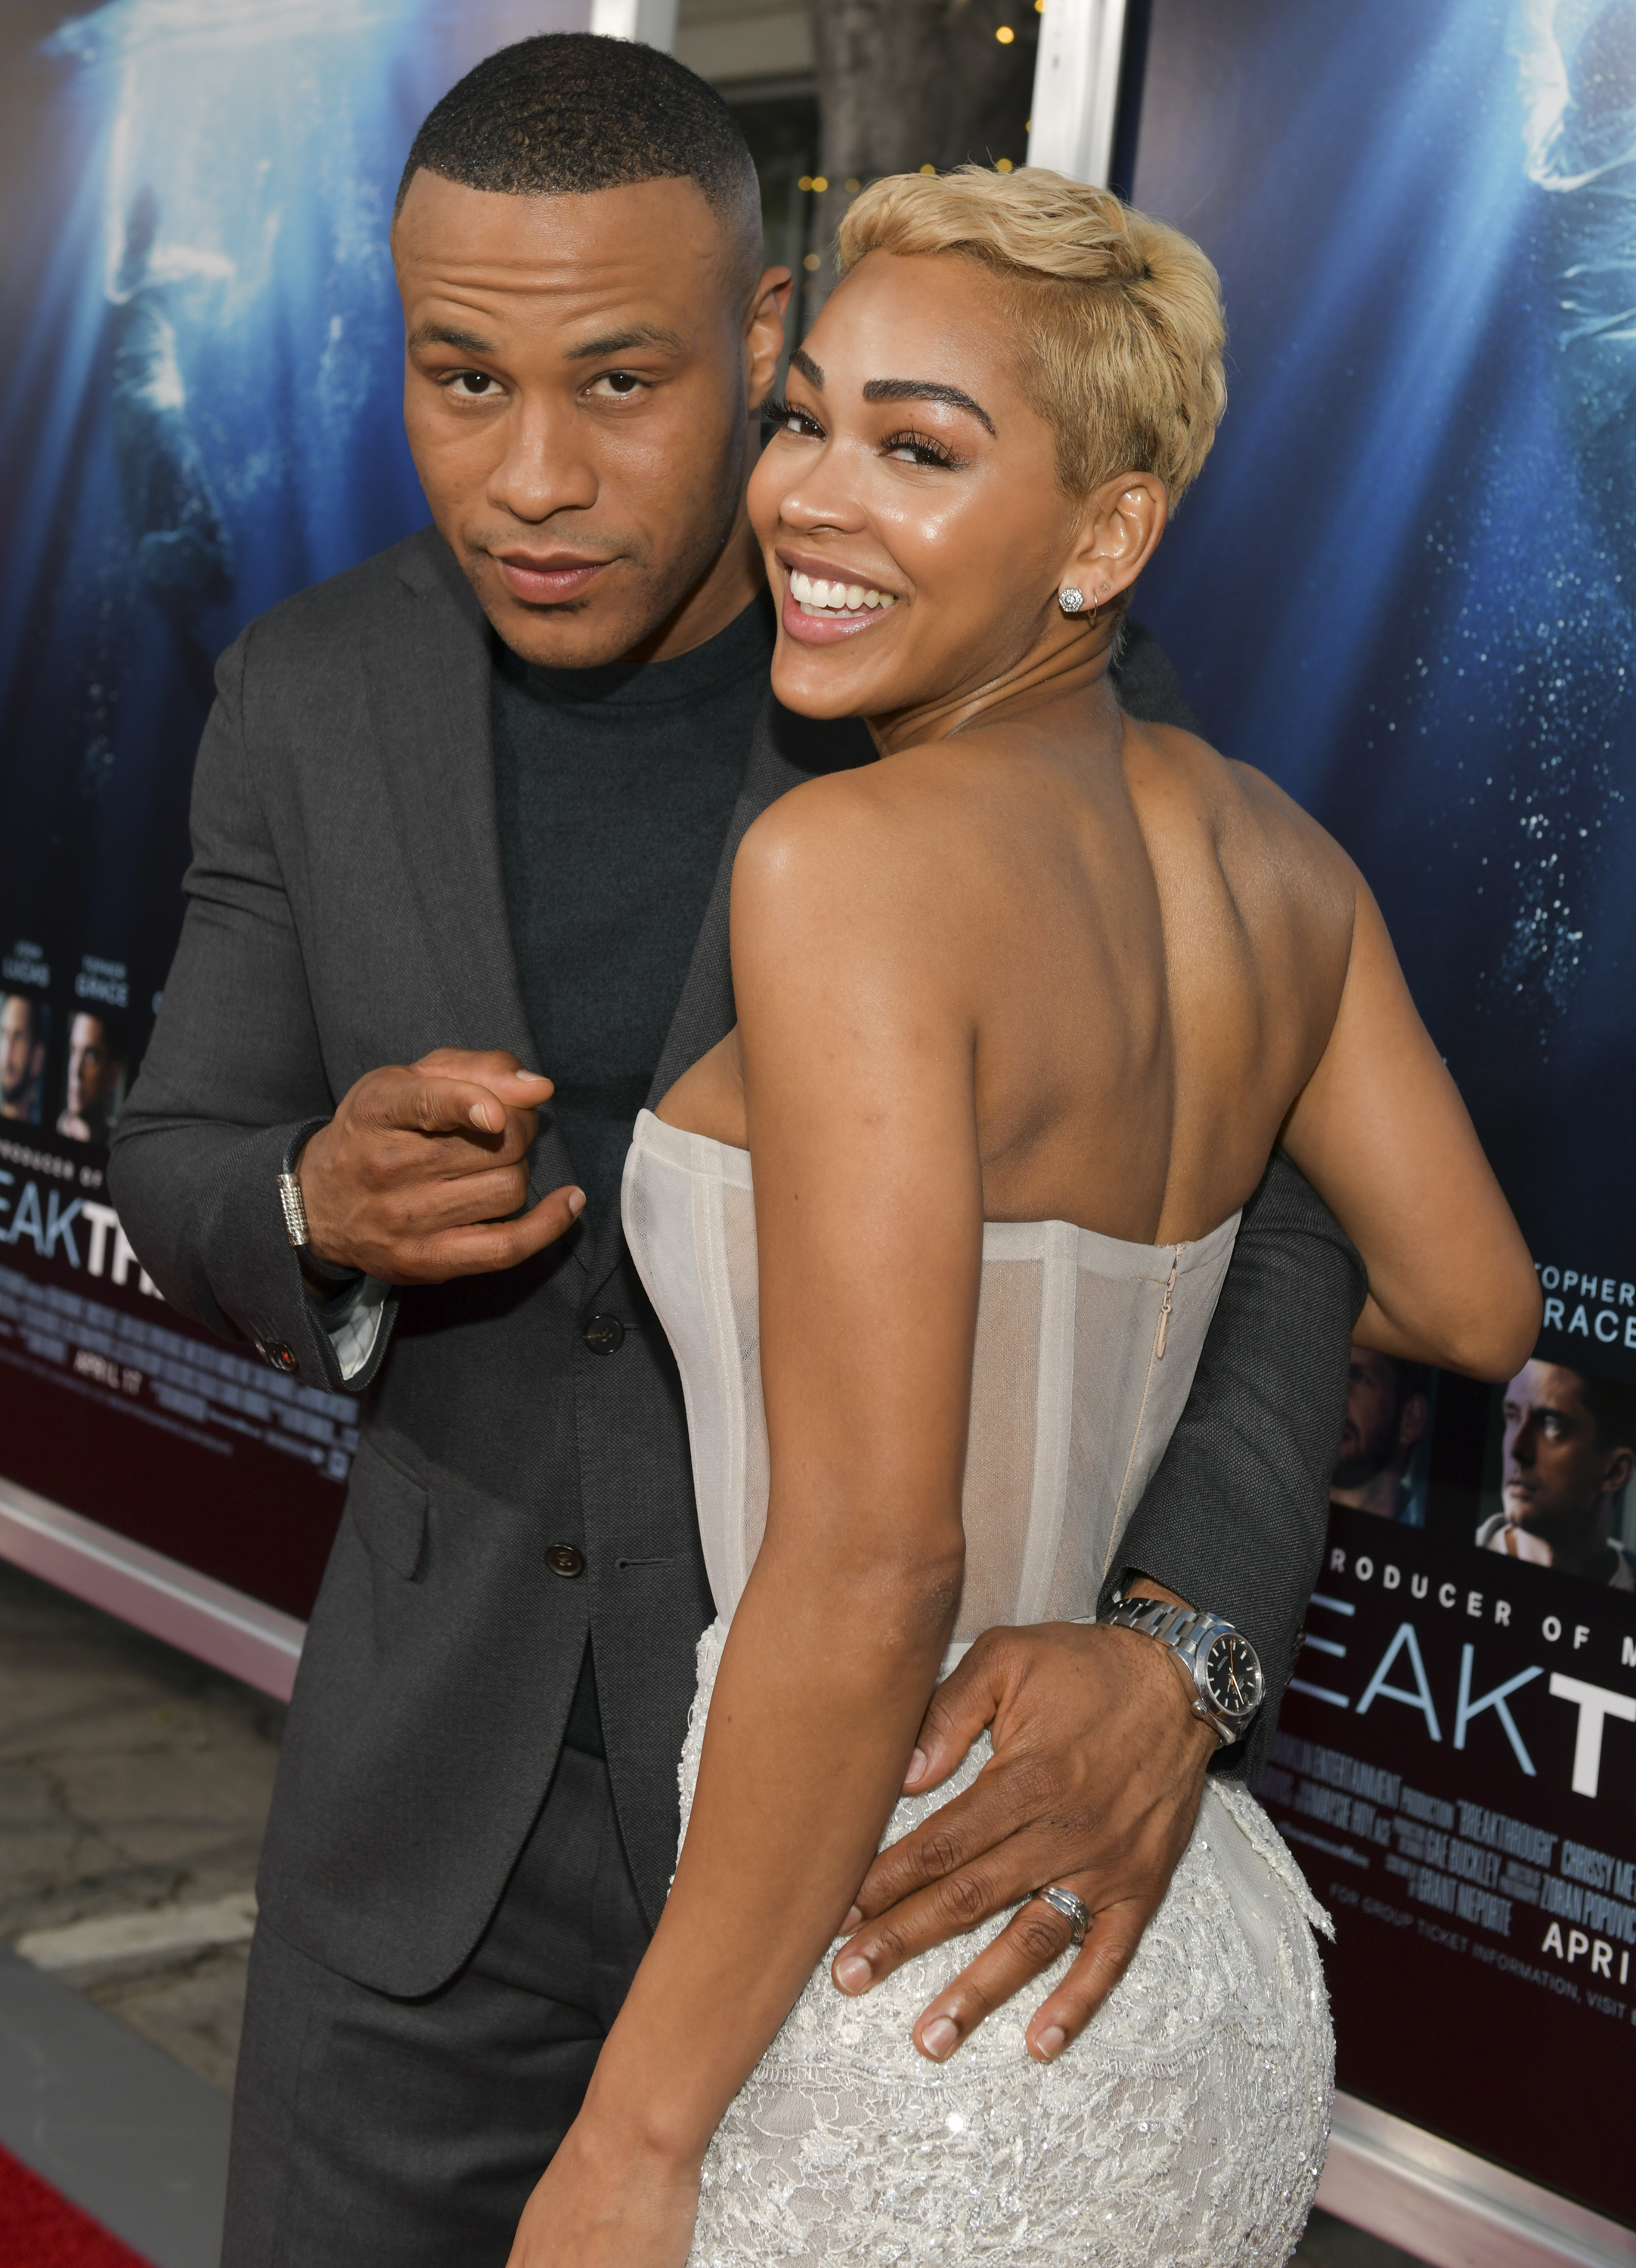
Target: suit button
{"points": [[604, 1334], [564, 1559], [275, 1351]]}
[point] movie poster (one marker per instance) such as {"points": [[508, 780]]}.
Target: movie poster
{"points": [[199, 415], [1404, 587]]}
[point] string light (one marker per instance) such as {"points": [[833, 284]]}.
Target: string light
{"points": [[812, 264], [1004, 36], [1002, 165], [928, 169]]}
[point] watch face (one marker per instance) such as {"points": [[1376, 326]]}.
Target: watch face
{"points": [[1233, 1675]]}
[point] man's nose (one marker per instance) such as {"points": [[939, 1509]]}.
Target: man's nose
{"points": [[544, 469]]}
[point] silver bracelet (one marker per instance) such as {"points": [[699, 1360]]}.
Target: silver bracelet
{"points": [[295, 1212]]}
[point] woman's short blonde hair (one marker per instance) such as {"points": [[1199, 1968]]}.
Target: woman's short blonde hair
{"points": [[1119, 317]]}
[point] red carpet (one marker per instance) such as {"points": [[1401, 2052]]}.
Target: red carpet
{"points": [[40, 2229]]}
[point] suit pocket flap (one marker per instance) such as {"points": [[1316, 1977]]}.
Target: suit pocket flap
{"points": [[388, 1510]]}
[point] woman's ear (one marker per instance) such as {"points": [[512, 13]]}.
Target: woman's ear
{"points": [[1119, 532]]}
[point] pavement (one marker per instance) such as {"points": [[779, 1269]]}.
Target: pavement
{"points": [[134, 1788], [132, 1779]]}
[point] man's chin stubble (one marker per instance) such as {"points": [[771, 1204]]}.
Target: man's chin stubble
{"points": [[567, 635]]}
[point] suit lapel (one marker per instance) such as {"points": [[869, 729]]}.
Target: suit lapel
{"points": [[785, 750], [429, 679]]}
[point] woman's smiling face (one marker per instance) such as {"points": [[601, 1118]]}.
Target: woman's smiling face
{"points": [[915, 532]]}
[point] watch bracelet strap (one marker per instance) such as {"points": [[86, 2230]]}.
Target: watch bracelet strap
{"points": [[1179, 1629], [295, 1212]]}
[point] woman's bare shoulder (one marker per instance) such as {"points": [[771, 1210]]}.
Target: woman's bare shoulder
{"points": [[878, 823], [1253, 824]]}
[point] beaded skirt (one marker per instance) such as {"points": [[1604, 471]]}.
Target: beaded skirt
{"points": [[1185, 2126]]}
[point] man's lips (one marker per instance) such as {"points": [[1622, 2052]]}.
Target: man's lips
{"points": [[549, 579]]}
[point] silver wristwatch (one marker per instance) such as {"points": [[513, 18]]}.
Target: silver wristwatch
{"points": [[1220, 1665]]}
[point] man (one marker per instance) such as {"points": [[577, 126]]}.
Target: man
{"points": [[1570, 1448], [96, 1059], [487, 788], [1386, 1401], [22, 1057]]}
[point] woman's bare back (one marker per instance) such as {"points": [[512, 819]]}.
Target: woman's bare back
{"points": [[1149, 945]]}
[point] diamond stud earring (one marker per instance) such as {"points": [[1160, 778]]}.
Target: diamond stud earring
{"points": [[1069, 600]]}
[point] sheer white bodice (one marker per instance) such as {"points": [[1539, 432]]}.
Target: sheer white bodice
{"points": [[1079, 1374], [1186, 2123]]}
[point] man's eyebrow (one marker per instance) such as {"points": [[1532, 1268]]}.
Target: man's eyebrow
{"points": [[924, 389], [800, 359], [447, 335], [630, 334]]}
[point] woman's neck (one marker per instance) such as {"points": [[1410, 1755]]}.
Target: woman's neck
{"points": [[1070, 662]]}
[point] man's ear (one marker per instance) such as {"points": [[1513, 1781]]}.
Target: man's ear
{"points": [[1617, 1472], [1119, 532], [763, 333]]}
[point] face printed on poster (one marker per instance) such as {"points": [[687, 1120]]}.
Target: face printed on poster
{"points": [[1385, 1438], [1568, 1452], [25, 1036]]}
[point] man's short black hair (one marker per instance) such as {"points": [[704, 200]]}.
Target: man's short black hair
{"points": [[1610, 1404], [1413, 1378], [567, 112]]}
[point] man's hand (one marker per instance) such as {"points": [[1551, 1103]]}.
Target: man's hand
{"points": [[413, 1177], [1095, 1782]]}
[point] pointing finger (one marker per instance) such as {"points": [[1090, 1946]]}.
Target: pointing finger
{"points": [[490, 1247], [430, 1105]]}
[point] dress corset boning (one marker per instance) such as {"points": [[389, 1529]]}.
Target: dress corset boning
{"points": [[1085, 1349], [1185, 2125]]}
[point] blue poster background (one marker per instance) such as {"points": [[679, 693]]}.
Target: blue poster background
{"points": [[200, 413], [1405, 585]]}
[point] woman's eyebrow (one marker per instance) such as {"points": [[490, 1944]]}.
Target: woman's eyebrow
{"points": [[924, 389]]}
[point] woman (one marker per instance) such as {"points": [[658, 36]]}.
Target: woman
{"points": [[1023, 1009]]}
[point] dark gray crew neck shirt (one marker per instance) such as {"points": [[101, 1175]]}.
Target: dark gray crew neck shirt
{"points": [[615, 787]]}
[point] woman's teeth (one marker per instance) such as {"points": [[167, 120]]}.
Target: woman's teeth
{"points": [[817, 597]]}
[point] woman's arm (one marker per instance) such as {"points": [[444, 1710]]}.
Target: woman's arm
{"points": [[1381, 1134], [858, 1083]]}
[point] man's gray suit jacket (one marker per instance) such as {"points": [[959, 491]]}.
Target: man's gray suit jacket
{"points": [[345, 910]]}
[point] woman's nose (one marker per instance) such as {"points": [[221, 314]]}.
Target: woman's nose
{"points": [[822, 500]]}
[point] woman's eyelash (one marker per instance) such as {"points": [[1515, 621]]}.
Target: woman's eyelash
{"points": [[780, 413], [783, 417], [926, 445]]}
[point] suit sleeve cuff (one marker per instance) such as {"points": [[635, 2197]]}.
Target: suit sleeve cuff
{"points": [[351, 1321]]}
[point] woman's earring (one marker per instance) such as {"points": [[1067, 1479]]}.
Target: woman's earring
{"points": [[1069, 600]]}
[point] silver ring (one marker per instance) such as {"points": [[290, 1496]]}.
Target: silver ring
{"points": [[1069, 1907]]}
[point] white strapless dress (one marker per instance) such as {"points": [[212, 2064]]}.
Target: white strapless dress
{"points": [[1187, 2125]]}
